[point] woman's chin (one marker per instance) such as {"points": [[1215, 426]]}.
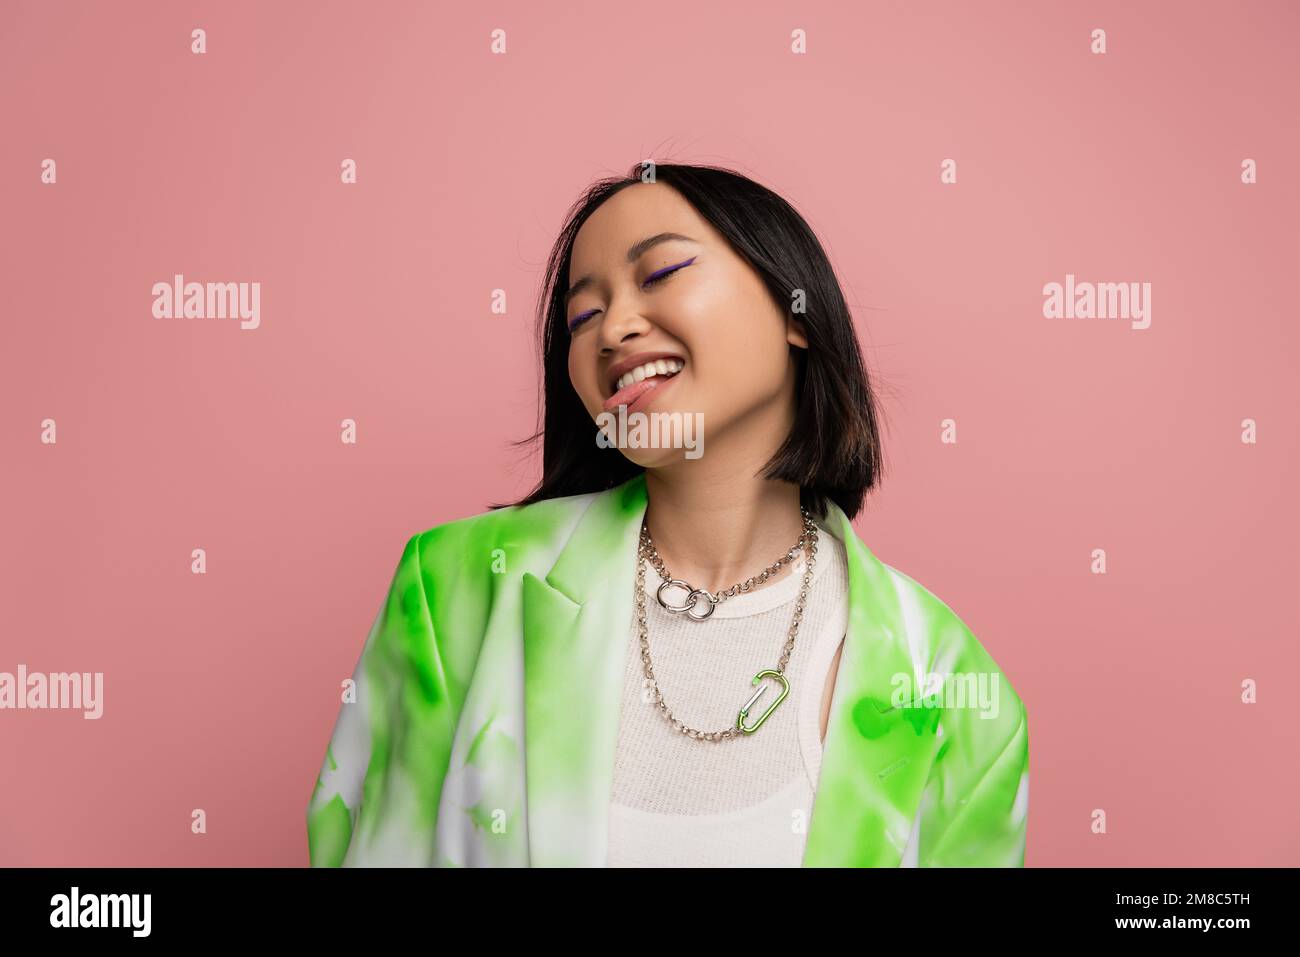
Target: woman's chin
{"points": [[655, 458]]}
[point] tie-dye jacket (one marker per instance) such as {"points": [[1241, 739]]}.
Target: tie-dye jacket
{"points": [[488, 693]]}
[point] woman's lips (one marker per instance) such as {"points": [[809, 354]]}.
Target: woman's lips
{"points": [[637, 394]]}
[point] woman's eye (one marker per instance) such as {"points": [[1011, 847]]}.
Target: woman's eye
{"points": [[666, 272], [579, 320]]}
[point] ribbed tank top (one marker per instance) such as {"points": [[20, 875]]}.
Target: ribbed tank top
{"points": [[744, 801]]}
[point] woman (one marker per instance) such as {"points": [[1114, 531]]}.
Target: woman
{"points": [[678, 652]]}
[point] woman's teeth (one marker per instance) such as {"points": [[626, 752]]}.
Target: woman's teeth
{"points": [[664, 367]]}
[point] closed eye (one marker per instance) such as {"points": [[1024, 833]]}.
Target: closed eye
{"points": [[579, 320], [665, 272], [651, 280]]}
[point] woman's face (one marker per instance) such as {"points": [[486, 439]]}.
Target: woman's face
{"points": [[688, 301]]}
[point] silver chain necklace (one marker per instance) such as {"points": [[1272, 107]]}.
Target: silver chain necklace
{"points": [[694, 595], [645, 551]]}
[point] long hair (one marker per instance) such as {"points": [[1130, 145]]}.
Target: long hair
{"points": [[832, 452]]}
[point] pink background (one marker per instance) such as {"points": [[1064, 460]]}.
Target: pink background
{"points": [[221, 689]]}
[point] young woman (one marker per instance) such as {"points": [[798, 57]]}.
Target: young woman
{"points": [[678, 652]]}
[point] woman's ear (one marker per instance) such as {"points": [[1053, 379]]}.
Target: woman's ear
{"points": [[795, 334]]}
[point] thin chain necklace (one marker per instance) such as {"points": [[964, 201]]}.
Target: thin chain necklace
{"points": [[694, 595], [807, 542]]}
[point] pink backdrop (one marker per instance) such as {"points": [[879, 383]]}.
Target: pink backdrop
{"points": [[220, 690]]}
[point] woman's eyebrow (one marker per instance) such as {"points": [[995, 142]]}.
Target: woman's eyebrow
{"points": [[635, 252]]}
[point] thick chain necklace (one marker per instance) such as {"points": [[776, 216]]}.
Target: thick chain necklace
{"points": [[808, 543]]}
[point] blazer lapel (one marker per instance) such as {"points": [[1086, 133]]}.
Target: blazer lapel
{"points": [[876, 757], [576, 624]]}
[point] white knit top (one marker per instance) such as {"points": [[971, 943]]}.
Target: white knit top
{"points": [[743, 801]]}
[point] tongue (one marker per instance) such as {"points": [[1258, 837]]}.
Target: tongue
{"points": [[629, 393]]}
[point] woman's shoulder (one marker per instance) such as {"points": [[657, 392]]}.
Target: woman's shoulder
{"points": [[451, 576], [500, 535]]}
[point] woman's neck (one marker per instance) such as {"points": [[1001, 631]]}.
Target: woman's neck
{"points": [[715, 530]]}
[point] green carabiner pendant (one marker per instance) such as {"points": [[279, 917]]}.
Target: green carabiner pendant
{"points": [[744, 712]]}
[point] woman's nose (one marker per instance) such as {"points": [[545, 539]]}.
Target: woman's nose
{"points": [[620, 326]]}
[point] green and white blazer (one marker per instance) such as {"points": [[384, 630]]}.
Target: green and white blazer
{"points": [[488, 695]]}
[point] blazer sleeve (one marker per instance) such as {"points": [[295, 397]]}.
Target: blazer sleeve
{"points": [[375, 802], [975, 808]]}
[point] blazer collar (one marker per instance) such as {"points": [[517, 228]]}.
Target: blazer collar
{"points": [[576, 625]]}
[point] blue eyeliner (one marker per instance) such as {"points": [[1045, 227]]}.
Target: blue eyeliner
{"points": [[667, 269], [579, 320]]}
